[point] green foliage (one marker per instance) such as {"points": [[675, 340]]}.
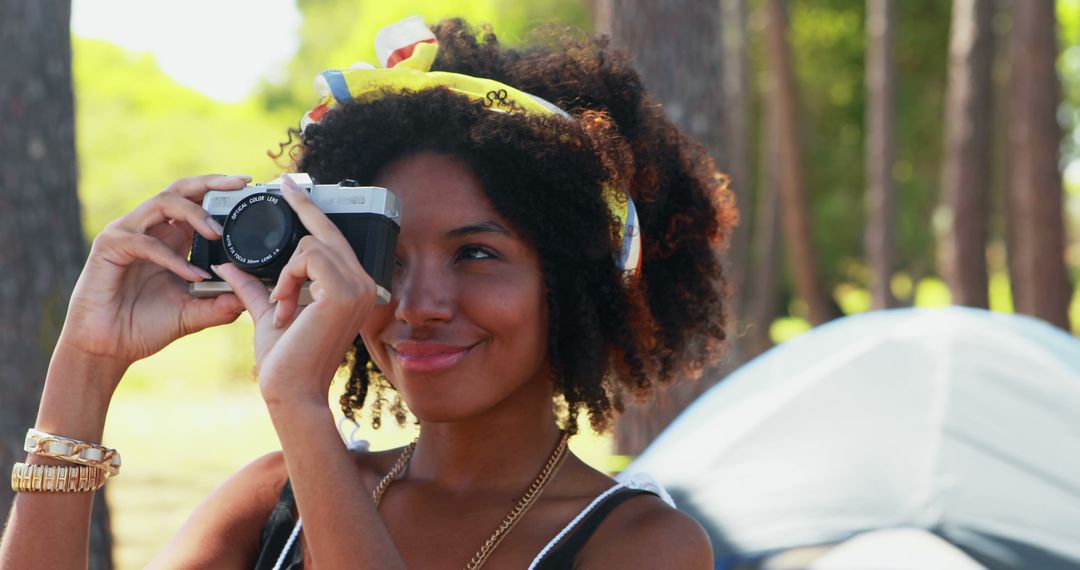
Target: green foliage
{"points": [[828, 39], [138, 130], [1068, 14], [337, 34]]}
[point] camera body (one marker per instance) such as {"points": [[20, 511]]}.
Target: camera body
{"points": [[261, 231]]}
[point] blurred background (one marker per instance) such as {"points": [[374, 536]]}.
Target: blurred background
{"points": [[883, 153]]}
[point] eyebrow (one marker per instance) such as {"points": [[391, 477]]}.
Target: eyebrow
{"points": [[489, 226]]}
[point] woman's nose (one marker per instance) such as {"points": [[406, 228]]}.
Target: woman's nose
{"points": [[423, 295]]}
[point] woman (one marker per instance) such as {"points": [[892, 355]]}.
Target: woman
{"points": [[515, 306]]}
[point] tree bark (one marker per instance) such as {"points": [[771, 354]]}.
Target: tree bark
{"points": [[767, 239], [737, 86], [966, 174], [43, 248], [880, 150], [795, 211], [738, 261], [1035, 194], [676, 46]]}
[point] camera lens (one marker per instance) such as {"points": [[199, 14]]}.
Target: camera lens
{"points": [[260, 234]]}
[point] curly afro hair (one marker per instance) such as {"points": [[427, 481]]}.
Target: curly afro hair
{"points": [[610, 336]]}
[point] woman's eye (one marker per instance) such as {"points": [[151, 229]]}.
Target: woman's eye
{"points": [[473, 253]]}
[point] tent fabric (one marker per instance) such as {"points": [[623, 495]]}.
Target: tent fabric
{"points": [[895, 549], [959, 421]]}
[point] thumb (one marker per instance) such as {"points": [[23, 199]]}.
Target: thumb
{"points": [[199, 314]]}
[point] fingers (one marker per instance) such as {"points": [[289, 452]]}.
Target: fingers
{"points": [[177, 233], [193, 188], [168, 207], [124, 248], [331, 280], [250, 290], [312, 217], [286, 293]]}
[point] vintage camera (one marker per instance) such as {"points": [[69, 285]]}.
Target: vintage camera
{"points": [[261, 231]]}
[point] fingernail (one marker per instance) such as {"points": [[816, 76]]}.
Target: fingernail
{"points": [[214, 268], [289, 183], [214, 225], [244, 177], [200, 271]]}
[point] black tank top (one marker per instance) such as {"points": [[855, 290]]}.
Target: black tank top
{"points": [[276, 532]]}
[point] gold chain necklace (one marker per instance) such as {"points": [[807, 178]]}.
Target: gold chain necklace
{"points": [[547, 472]]}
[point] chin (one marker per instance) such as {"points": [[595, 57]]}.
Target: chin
{"points": [[429, 411]]}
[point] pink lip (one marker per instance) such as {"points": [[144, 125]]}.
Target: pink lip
{"points": [[423, 356]]}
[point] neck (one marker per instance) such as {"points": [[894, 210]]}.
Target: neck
{"points": [[500, 449]]}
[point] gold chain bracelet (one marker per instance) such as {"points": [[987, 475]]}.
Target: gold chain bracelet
{"points": [[27, 478], [72, 450]]}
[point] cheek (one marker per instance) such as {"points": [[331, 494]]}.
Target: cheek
{"points": [[516, 315]]}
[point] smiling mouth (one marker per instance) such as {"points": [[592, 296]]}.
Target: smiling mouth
{"points": [[429, 360]]}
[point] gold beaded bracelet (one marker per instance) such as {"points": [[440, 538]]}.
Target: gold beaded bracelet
{"points": [[56, 478], [72, 451]]}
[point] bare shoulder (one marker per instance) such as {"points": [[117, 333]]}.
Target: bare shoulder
{"points": [[646, 532], [223, 531]]}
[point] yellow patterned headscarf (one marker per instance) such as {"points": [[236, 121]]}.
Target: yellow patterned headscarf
{"points": [[406, 50]]}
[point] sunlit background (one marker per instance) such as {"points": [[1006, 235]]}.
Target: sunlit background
{"points": [[170, 89]]}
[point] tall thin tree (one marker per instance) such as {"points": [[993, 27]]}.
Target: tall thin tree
{"points": [[1034, 194], [794, 203], [676, 44], [767, 235], [965, 177], [880, 149], [737, 99], [40, 229]]}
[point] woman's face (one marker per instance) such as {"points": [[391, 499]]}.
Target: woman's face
{"points": [[466, 327]]}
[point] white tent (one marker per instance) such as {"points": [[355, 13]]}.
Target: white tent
{"points": [[958, 421]]}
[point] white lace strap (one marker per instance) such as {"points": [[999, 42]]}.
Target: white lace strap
{"points": [[645, 482], [288, 545]]}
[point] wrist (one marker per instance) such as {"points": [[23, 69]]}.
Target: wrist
{"points": [[69, 350], [295, 403], [77, 393], [299, 418], [70, 364]]}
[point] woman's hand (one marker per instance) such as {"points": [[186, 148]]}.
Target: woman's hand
{"points": [[132, 299], [298, 350]]}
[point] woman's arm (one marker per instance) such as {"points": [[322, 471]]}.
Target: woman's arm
{"points": [[329, 497], [130, 301], [51, 530], [297, 353]]}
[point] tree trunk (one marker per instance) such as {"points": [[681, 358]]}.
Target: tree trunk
{"points": [[965, 179], [880, 150], [767, 239], [40, 230], [676, 45], [795, 211], [737, 86], [1035, 194]]}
